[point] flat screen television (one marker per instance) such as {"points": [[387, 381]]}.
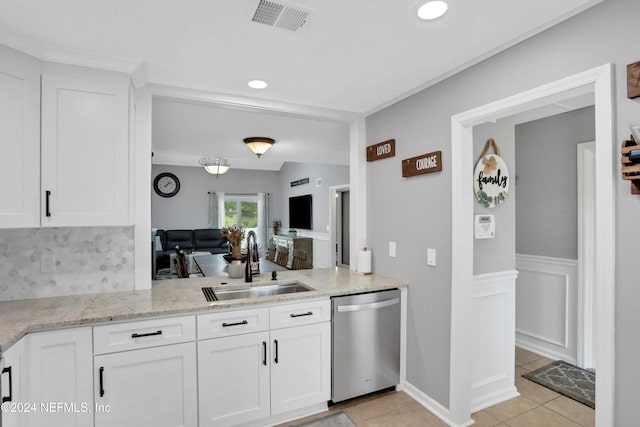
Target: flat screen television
{"points": [[300, 212]]}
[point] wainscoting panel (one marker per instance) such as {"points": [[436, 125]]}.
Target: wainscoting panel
{"points": [[546, 306], [493, 342]]}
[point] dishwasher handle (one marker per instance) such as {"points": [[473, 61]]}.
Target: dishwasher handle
{"points": [[370, 306]]}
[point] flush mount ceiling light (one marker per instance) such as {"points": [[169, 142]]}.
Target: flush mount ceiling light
{"points": [[432, 10], [257, 84], [259, 144], [215, 167]]}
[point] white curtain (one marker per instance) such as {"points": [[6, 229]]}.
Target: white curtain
{"points": [[216, 210], [263, 220]]}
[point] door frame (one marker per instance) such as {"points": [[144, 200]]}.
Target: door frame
{"points": [[333, 221], [586, 247], [598, 81]]}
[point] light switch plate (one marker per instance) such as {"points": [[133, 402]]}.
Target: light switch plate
{"points": [[431, 257], [392, 249]]}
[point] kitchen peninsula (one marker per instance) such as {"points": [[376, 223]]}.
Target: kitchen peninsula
{"points": [[113, 342]]}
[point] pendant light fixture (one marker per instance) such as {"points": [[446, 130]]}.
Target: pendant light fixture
{"points": [[259, 144], [215, 167]]}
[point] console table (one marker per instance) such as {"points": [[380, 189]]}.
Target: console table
{"points": [[292, 243]]}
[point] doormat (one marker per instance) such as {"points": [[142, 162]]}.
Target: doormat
{"points": [[338, 419], [567, 379]]}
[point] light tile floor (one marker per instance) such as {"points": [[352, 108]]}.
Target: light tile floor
{"points": [[536, 406]]}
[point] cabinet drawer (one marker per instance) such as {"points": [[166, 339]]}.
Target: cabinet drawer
{"points": [[303, 313], [143, 334], [235, 322]]}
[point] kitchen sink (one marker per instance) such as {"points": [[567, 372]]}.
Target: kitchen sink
{"points": [[255, 291]]}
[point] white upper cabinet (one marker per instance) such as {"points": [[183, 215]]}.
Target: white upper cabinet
{"points": [[85, 152], [19, 140], [64, 139]]}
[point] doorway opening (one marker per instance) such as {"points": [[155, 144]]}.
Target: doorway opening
{"points": [[598, 82], [554, 218], [339, 228]]}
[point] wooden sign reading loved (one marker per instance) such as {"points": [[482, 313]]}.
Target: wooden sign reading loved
{"points": [[381, 150], [426, 163]]}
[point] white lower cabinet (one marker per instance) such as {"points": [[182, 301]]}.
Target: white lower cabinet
{"points": [[12, 378], [252, 376], [60, 378], [301, 368], [153, 372], [234, 379], [150, 387]]}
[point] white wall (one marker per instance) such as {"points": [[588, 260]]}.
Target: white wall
{"points": [[417, 211]]}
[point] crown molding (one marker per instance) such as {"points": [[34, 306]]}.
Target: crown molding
{"points": [[246, 103], [49, 53]]}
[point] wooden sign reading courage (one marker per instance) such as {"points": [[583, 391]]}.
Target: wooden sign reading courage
{"points": [[426, 163]]}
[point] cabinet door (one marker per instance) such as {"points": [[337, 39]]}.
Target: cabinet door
{"points": [[85, 152], [19, 140], [12, 384], [233, 379], [300, 367], [150, 387], [60, 378]]}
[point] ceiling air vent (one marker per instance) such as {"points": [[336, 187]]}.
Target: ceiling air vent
{"points": [[280, 15]]}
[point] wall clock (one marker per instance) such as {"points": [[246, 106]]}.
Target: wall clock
{"points": [[166, 184]]}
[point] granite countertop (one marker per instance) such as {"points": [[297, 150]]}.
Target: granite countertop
{"points": [[170, 297]]}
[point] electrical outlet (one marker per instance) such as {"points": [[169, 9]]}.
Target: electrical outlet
{"points": [[392, 249], [48, 263]]}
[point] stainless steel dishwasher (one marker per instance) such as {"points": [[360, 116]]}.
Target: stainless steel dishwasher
{"points": [[366, 343]]}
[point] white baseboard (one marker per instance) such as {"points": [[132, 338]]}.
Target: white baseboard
{"points": [[436, 408], [494, 399], [523, 342]]}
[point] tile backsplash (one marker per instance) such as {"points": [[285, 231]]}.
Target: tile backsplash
{"points": [[87, 260]]}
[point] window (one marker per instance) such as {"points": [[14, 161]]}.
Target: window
{"points": [[243, 211]]}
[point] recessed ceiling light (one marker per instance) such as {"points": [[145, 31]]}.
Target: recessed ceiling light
{"points": [[257, 84], [432, 10]]}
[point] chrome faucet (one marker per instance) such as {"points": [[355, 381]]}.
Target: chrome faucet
{"points": [[252, 252]]}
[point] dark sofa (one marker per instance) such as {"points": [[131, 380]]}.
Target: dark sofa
{"points": [[205, 239]]}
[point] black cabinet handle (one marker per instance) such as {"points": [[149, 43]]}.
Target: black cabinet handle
{"points": [[46, 200], [264, 349], [150, 334], [226, 325], [101, 381], [303, 314], [275, 359], [7, 370]]}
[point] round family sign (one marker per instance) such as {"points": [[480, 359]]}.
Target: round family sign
{"points": [[491, 180]]}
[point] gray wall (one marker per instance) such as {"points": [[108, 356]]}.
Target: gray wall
{"points": [[546, 207], [417, 211], [497, 254], [189, 209], [331, 175]]}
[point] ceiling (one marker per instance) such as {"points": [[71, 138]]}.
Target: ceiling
{"points": [[355, 56], [184, 132]]}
